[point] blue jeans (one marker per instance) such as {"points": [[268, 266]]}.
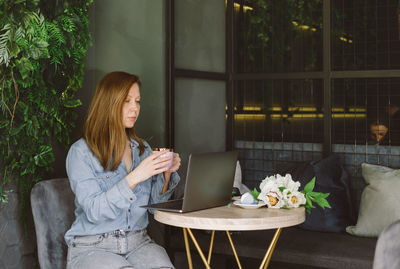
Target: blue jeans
{"points": [[117, 250]]}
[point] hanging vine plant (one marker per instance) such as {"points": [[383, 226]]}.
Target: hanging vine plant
{"points": [[43, 44]]}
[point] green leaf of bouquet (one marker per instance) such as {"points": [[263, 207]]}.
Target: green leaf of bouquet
{"points": [[323, 203], [309, 202], [317, 195], [281, 189], [255, 193], [325, 195], [309, 197], [309, 187], [319, 201]]}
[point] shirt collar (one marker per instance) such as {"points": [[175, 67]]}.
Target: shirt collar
{"points": [[134, 143]]}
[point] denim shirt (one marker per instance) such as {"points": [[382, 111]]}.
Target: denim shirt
{"points": [[103, 200]]}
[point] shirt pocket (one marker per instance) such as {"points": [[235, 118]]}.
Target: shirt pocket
{"points": [[107, 179]]}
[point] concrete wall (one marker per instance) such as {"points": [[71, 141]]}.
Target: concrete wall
{"points": [[129, 35], [17, 249]]}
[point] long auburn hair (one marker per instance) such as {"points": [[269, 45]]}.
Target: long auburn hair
{"points": [[103, 130]]}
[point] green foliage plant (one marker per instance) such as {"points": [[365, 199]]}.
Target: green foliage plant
{"points": [[274, 32], [43, 44]]}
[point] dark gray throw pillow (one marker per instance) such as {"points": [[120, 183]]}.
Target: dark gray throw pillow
{"points": [[330, 177]]}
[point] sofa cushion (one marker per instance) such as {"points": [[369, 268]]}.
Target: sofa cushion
{"points": [[379, 202], [330, 178]]}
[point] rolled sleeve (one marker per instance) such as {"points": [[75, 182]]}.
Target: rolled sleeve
{"points": [[158, 184], [173, 182]]}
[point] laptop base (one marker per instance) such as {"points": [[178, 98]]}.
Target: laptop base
{"points": [[171, 205]]}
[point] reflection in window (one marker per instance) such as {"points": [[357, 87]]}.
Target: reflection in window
{"points": [[278, 36], [278, 121], [370, 109], [364, 111], [279, 110], [368, 32]]}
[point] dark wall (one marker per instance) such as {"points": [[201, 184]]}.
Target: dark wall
{"points": [[127, 35]]}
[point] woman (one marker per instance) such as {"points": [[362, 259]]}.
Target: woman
{"points": [[112, 173], [378, 131]]}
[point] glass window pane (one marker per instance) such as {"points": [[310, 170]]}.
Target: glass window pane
{"points": [[368, 111], [365, 35], [200, 35], [200, 121], [278, 36], [279, 111], [277, 123]]}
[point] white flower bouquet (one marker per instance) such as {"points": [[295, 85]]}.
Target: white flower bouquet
{"points": [[282, 192]]}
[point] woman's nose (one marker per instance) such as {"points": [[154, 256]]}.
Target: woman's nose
{"points": [[133, 107]]}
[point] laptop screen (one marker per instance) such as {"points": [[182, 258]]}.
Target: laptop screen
{"points": [[209, 180]]}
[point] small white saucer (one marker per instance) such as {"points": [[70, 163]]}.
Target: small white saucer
{"points": [[249, 206]]}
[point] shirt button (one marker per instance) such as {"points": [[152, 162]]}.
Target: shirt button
{"points": [[131, 199], [107, 176], [129, 227], [129, 210]]}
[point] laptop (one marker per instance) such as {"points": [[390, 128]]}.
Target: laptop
{"points": [[209, 182]]}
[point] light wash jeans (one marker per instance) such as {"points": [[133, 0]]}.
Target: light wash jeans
{"points": [[117, 250]]}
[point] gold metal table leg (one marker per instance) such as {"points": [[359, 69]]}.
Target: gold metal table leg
{"points": [[211, 247], [264, 264], [189, 257], [234, 250], [198, 248], [268, 255]]}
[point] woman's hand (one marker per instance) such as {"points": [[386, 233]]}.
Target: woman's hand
{"points": [[150, 166]]}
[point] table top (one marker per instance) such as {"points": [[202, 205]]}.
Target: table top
{"points": [[233, 218]]}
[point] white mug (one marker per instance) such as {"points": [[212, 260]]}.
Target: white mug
{"points": [[168, 154]]}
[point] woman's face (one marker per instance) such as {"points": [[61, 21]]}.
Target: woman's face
{"points": [[131, 107], [378, 132]]}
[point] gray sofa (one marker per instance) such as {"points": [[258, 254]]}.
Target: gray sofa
{"points": [[53, 206]]}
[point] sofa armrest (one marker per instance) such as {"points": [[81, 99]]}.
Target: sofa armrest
{"points": [[388, 248]]}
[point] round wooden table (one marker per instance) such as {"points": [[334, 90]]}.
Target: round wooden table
{"points": [[232, 218]]}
